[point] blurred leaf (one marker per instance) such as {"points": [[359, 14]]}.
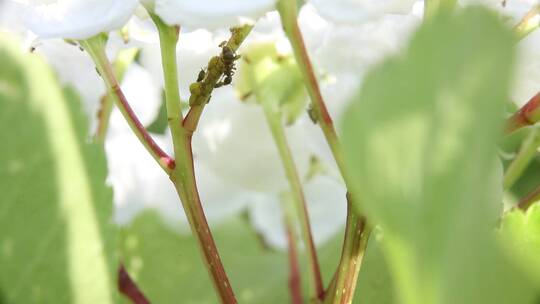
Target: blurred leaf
{"points": [[168, 268], [274, 80], [420, 141], [57, 242], [520, 236]]}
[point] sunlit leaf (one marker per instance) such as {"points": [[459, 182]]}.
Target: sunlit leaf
{"points": [[420, 139], [57, 242], [520, 236]]}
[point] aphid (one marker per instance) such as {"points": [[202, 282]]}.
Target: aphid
{"points": [[228, 57], [312, 114], [202, 74]]}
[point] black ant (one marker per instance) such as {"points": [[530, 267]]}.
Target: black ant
{"points": [[228, 57], [202, 74]]}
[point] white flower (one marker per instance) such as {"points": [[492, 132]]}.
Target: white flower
{"points": [[359, 11], [514, 9], [527, 71], [76, 19], [326, 204], [211, 14], [348, 53], [235, 140]]}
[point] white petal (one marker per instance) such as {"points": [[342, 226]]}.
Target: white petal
{"points": [[143, 96], [527, 75], [77, 19], [358, 11], [327, 208], [211, 14], [235, 141]]}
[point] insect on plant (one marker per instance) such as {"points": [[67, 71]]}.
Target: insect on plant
{"points": [[228, 57]]}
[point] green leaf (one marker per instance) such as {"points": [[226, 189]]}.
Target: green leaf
{"points": [[420, 144], [57, 242], [167, 265], [520, 237]]}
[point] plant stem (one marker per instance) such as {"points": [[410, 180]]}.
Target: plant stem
{"points": [[95, 46], [529, 199], [201, 91], [525, 154], [274, 121], [183, 175], [129, 288], [295, 286], [357, 232], [528, 115], [288, 13], [120, 65], [529, 23]]}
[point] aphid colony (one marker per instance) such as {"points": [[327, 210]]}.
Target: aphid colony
{"points": [[228, 57]]}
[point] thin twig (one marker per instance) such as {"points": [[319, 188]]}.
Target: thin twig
{"points": [[183, 175], [527, 115], [529, 199], [529, 22], [278, 133], [129, 288], [357, 231], [295, 285], [95, 46]]}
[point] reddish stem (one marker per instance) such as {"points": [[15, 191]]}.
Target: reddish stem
{"points": [[526, 116], [164, 158], [295, 286], [186, 187], [129, 288], [529, 199]]}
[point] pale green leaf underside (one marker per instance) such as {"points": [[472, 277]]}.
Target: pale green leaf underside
{"points": [[57, 241]]}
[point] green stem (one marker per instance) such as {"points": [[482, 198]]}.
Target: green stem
{"points": [[295, 286], [433, 7], [95, 46], [183, 175], [526, 153], [274, 121], [529, 23], [288, 13], [354, 247], [103, 116], [201, 91]]}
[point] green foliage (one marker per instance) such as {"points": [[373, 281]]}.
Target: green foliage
{"points": [[167, 265], [57, 242], [520, 237], [420, 142]]}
